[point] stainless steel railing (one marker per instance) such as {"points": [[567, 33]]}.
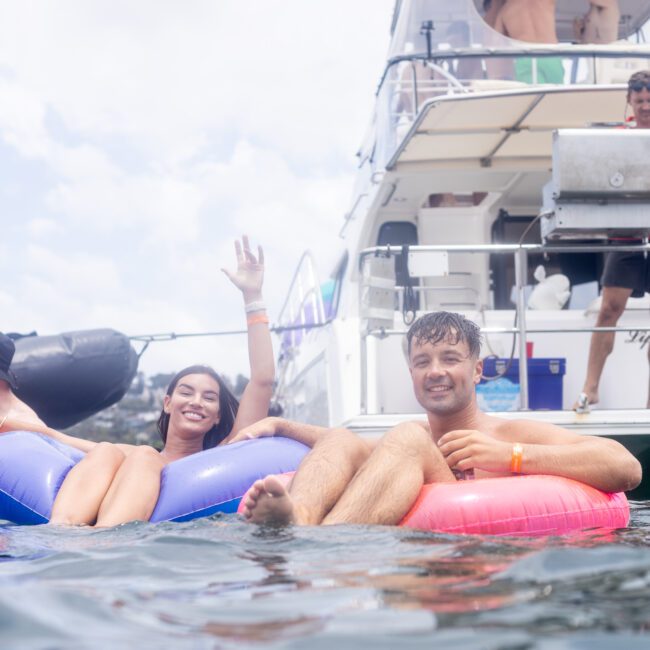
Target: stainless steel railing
{"points": [[521, 330]]}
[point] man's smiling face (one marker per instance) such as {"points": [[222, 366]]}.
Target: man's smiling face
{"points": [[444, 375]]}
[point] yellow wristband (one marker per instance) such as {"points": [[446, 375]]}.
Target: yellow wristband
{"points": [[254, 320], [515, 460]]}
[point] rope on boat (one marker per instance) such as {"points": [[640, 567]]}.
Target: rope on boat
{"points": [[147, 339]]}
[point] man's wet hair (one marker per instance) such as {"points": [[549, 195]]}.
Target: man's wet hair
{"points": [[439, 326]]}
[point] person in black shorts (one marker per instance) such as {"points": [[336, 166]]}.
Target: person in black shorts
{"points": [[625, 274], [627, 270]]}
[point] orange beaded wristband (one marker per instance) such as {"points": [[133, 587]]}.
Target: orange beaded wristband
{"points": [[515, 461], [254, 320]]}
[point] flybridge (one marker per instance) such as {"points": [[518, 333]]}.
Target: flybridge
{"points": [[409, 37], [445, 49]]}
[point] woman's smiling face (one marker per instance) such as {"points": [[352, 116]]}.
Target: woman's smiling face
{"points": [[193, 406]]}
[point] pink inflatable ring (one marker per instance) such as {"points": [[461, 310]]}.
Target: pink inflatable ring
{"points": [[517, 505]]}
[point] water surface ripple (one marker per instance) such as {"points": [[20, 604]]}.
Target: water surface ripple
{"points": [[220, 583]]}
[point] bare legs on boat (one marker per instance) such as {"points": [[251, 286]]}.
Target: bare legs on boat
{"points": [[612, 307], [343, 481]]}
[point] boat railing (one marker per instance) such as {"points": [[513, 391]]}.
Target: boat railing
{"points": [[377, 311], [410, 81], [303, 304]]}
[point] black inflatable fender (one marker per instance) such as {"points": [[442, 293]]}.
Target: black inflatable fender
{"points": [[69, 377]]}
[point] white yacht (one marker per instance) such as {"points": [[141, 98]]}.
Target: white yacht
{"points": [[485, 159]]}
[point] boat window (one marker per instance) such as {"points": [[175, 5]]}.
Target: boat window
{"points": [[397, 233], [613, 19], [580, 268], [423, 26], [450, 200], [331, 289], [400, 233]]}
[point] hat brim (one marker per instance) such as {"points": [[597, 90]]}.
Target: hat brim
{"points": [[9, 377]]}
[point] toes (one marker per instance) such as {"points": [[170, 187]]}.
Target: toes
{"points": [[256, 490], [273, 486]]}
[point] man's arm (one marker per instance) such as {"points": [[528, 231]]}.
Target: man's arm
{"points": [[547, 449], [308, 434]]}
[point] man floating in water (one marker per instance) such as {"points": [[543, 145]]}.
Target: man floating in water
{"points": [[346, 479]]}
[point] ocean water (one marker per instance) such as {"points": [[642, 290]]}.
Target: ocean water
{"points": [[221, 583]]}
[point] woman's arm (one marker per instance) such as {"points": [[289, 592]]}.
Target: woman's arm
{"points": [[248, 278], [13, 424]]}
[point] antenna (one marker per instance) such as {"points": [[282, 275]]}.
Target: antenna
{"points": [[425, 29]]}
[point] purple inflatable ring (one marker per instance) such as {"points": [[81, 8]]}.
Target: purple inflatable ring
{"points": [[33, 466]]}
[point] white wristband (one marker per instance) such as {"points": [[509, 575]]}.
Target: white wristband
{"points": [[256, 305]]}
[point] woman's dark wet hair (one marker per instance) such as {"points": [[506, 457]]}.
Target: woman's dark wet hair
{"points": [[441, 326], [228, 406]]}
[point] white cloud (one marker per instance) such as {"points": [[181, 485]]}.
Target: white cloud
{"points": [[39, 227], [22, 116], [161, 131]]}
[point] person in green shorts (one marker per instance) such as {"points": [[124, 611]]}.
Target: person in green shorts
{"points": [[547, 70]]}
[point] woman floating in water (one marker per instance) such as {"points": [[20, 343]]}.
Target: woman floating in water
{"points": [[116, 483]]}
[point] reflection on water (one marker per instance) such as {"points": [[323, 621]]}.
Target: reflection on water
{"points": [[220, 583]]}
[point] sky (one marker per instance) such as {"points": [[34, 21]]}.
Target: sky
{"points": [[139, 139]]}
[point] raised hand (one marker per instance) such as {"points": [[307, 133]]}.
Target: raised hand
{"points": [[249, 276], [467, 449]]}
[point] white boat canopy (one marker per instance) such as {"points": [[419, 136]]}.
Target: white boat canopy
{"points": [[507, 126]]}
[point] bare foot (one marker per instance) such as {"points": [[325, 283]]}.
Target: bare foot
{"points": [[584, 401], [268, 502]]}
